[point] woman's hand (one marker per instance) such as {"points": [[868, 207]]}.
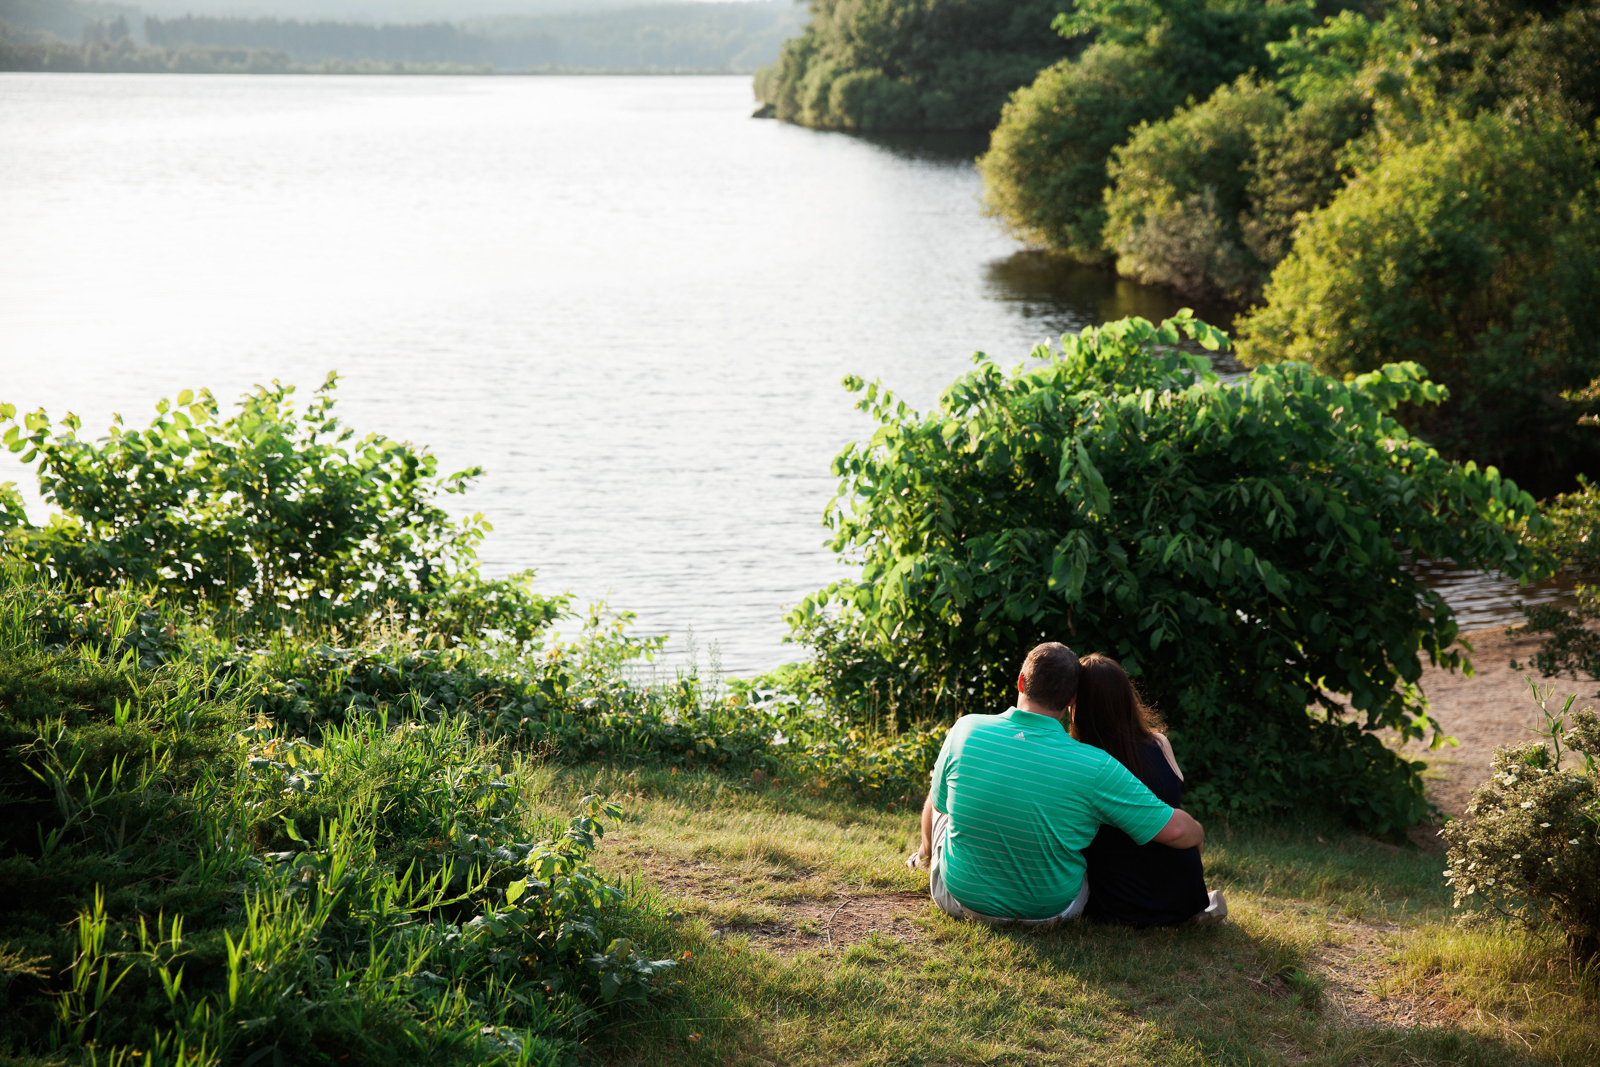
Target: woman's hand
{"points": [[919, 859]]}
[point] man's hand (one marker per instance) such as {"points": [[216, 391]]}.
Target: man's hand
{"points": [[923, 857], [1181, 831]]}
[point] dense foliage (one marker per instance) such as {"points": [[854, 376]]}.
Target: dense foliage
{"points": [[1422, 63], [236, 823], [1531, 849], [909, 64], [1180, 193], [191, 880], [1241, 548], [266, 512], [1045, 170], [1255, 180], [1475, 252], [1045, 173]]}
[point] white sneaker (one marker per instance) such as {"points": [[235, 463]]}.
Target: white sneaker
{"points": [[1216, 911]]}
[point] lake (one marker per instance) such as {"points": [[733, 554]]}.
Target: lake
{"points": [[627, 300]]}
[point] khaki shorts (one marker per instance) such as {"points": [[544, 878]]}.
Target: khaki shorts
{"points": [[956, 910]]}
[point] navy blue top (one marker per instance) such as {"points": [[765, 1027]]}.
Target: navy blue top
{"points": [[1145, 885]]}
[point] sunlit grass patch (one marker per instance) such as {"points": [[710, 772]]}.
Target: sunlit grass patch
{"points": [[970, 994], [771, 843], [1256, 990], [1507, 981], [1319, 862]]}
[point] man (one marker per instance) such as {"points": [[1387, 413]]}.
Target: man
{"points": [[1015, 799]]}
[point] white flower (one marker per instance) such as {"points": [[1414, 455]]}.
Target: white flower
{"points": [[1527, 804], [1518, 856], [1490, 882], [1574, 841], [1544, 826]]}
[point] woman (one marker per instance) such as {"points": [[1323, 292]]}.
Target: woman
{"points": [[1142, 885]]}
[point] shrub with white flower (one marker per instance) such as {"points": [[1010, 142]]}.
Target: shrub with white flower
{"points": [[1529, 849]]}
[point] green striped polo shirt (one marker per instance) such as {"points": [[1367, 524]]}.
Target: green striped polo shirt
{"points": [[1024, 799]]}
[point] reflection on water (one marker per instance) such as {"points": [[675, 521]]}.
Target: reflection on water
{"points": [[1065, 296], [1483, 600], [628, 301], [949, 147]]}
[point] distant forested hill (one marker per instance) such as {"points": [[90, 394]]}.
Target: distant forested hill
{"points": [[737, 37], [672, 37], [375, 11], [57, 20], [316, 42]]}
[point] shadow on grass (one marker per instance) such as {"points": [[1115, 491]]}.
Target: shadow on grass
{"points": [[947, 992], [970, 994]]}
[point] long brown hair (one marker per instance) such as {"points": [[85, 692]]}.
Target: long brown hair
{"points": [[1111, 717]]}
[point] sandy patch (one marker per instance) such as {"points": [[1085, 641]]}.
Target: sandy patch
{"points": [[1492, 708]]}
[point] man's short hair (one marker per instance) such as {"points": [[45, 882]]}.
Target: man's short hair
{"points": [[1050, 675]]}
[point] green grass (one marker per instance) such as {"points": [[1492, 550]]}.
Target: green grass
{"points": [[1266, 988], [182, 882], [365, 914]]}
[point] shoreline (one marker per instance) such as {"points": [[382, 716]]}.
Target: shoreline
{"points": [[1494, 707]]}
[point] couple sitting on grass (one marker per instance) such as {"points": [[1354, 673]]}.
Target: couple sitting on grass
{"points": [[1065, 806]]}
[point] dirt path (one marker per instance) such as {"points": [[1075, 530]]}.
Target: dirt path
{"points": [[1492, 708]]}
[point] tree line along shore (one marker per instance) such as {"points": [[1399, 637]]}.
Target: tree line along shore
{"points": [[1365, 183], [724, 38]]}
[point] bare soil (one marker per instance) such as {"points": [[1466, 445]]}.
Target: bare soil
{"points": [[1356, 963], [808, 925], [1494, 707], [831, 918]]}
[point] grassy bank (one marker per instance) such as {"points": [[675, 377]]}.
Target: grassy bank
{"points": [[810, 943], [300, 853], [284, 778]]}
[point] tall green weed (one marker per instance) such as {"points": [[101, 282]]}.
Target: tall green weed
{"points": [[183, 879]]}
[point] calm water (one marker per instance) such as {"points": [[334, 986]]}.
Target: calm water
{"points": [[628, 301]]}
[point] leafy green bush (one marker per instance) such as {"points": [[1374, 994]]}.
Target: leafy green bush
{"points": [[1201, 43], [1476, 253], [1571, 643], [909, 64], [1206, 201], [1179, 190], [1240, 548], [264, 513], [1524, 57], [1297, 167], [1045, 171], [1530, 848], [188, 882], [1570, 539]]}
